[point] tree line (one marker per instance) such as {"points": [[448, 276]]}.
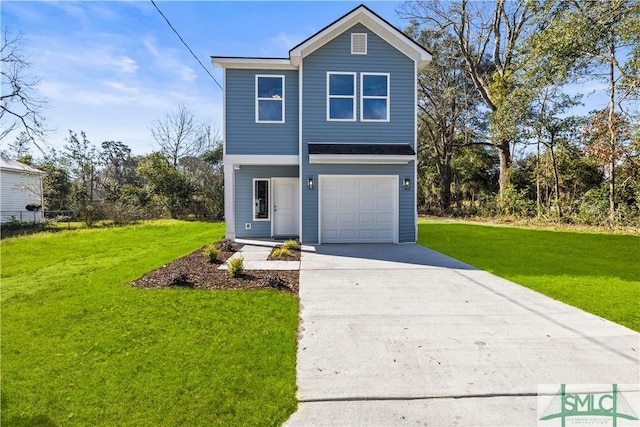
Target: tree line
{"points": [[498, 133], [182, 179]]}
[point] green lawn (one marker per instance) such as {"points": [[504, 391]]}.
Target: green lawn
{"points": [[81, 347], [597, 272]]}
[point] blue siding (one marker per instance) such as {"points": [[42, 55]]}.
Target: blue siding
{"points": [[244, 197], [243, 134], [406, 199], [382, 58]]}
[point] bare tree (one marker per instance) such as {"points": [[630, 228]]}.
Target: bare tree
{"points": [[178, 135], [19, 107]]}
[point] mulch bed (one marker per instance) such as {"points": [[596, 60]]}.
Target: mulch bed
{"points": [[195, 271], [295, 255]]}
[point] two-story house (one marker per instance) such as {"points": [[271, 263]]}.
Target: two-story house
{"points": [[321, 145]]}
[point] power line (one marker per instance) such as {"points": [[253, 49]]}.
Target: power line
{"points": [[185, 44]]}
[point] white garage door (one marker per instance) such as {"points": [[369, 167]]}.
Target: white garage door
{"points": [[358, 209]]}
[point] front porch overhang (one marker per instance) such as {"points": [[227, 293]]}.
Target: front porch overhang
{"points": [[350, 153]]}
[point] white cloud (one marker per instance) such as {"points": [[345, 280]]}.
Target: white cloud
{"points": [[168, 59], [280, 45], [127, 64]]}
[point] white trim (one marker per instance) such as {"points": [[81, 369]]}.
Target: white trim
{"points": [[396, 202], [415, 162], [224, 112], [257, 159], [229, 200], [365, 44], [329, 96], [274, 180], [387, 98], [388, 33], [254, 63], [257, 99], [367, 159], [253, 199], [300, 175]]}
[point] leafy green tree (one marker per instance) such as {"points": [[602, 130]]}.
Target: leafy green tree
{"points": [[447, 111], [168, 187], [551, 127], [489, 38], [81, 160], [594, 40], [118, 168]]}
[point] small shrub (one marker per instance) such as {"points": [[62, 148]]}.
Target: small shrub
{"points": [[291, 244], [226, 245], [179, 279], [211, 253], [236, 266], [281, 252], [276, 282]]}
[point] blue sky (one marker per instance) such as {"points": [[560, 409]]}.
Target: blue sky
{"points": [[112, 68]]}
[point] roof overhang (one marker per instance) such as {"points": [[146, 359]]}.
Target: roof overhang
{"points": [[253, 63], [375, 23], [365, 159], [357, 153]]}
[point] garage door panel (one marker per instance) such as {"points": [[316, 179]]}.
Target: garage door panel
{"points": [[385, 234], [348, 218], [348, 203], [368, 186], [358, 209], [348, 185], [348, 234], [367, 217], [331, 185], [367, 235], [384, 218], [386, 186], [366, 203]]}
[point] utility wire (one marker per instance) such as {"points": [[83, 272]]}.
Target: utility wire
{"points": [[185, 43]]}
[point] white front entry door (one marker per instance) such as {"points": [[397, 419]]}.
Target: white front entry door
{"points": [[285, 206]]}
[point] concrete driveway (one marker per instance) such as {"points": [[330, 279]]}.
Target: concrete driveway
{"points": [[402, 335]]}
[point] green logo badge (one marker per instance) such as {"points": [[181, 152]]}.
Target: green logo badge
{"points": [[588, 405]]}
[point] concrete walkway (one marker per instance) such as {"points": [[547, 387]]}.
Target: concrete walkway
{"points": [[402, 335], [255, 254]]}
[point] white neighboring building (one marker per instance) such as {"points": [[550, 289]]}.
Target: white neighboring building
{"points": [[20, 185]]}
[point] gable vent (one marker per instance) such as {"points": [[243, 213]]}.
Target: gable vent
{"points": [[358, 43]]}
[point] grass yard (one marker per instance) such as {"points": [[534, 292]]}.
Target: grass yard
{"points": [[597, 272], [81, 347]]}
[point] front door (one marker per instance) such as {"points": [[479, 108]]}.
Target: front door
{"points": [[285, 206]]}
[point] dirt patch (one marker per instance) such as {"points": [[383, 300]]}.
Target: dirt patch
{"points": [[195, 271]]}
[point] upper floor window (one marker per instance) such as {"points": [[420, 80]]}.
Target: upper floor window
{"points": [[269, 99], [374, 99], [341, 96]]}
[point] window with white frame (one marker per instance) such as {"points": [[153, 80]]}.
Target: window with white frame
{"points": [[261, 199], [374, 97], [269, 99], [341, 96]]}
